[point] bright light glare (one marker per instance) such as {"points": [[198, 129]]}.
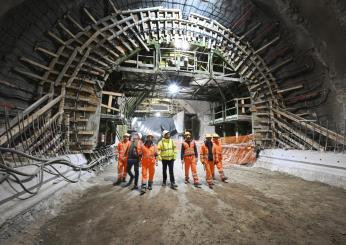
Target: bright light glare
{"points": [[173, 88], [157, 114], [182, 44], [134, 120]]}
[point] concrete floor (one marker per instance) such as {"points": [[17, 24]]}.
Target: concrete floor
{"points": [[256, 207]]}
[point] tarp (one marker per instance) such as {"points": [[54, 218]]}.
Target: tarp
{"points": [[238, 150]]}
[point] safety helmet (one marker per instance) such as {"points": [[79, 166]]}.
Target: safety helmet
{"points": [[150, 134], [187, 133], [164, 132], [126, 135], [215, 135], [208, 136]]}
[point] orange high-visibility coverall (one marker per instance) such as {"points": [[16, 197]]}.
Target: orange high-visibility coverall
{"points": [[208, 165], [122, 149], [149, 156], [190, 161], [217, 153]]}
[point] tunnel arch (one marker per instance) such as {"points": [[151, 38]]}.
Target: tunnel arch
{"points": [[89, 54]]}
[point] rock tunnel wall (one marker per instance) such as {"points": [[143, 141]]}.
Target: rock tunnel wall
{"points": [[320, 27], [22, 32]]}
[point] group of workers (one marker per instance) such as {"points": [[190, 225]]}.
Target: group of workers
{"points": [[134, 153]]}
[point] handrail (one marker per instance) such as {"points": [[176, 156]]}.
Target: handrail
{"points": [[311, 125], [27, 111], [25, 123]]}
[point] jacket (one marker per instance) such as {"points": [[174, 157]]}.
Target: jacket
{"points": [[167, 150]]}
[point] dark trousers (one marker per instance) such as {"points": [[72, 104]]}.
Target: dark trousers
{"points": [[135, 163], [170, 164]]}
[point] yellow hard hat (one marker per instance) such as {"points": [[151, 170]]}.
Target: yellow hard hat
{"points": [[208, 136], [216, 135]]}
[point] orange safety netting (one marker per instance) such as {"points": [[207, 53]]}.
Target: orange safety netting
{"points": [[238, 150]]}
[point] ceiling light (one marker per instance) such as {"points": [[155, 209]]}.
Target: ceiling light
{"points": [[181, 44], [173, 88]]}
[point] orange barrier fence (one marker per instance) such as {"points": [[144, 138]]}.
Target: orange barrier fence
{"points": [[238, 150], [237, 140]]}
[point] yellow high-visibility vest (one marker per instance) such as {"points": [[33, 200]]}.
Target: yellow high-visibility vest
{"points": [[166, 150]]}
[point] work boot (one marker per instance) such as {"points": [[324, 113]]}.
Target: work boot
{"points": [[118, 182], [129, 183], [164, 183], [197, 185], [143, 189], [211, 185], [174, 186], [225, 180], [135, 187], [123, 180], [150, 186], [187, 181]]}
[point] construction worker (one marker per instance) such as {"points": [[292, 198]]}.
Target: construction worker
{"points": [[206, 156], [121, 154], [217, 152], [189, 156], [134, 157], [149, 159], [167, 154]]}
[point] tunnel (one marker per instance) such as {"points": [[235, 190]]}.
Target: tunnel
{"points": [[264, 79]]}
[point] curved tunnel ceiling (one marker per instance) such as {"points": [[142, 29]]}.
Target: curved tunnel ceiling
{"points": [[80, 56]]}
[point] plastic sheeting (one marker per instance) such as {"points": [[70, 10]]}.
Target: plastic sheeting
{"points": [[238, 150], [179, 122]]}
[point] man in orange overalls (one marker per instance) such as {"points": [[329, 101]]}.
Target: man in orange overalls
{"points": [[217, 151], [149, 159], [189, 156], [121, 153], [206, 155]]}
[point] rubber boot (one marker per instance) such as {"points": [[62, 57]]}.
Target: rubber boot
{"points": [[134, 188], [129, 183], [211, 186], [187, 181], [123, 180], [164, 184]]}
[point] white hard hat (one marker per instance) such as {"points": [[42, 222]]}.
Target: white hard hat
{"points": [[164, 132]]}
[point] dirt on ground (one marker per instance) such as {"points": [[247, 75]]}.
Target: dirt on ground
{"points": [[257, 206]]}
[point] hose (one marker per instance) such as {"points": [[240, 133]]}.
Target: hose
{"points": [[20, 177]]}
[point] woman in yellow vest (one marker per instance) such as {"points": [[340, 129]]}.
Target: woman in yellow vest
{"points": [[167, 154]]}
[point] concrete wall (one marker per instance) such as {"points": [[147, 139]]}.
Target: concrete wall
{"points": [[202, 110], [325, 167]]}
